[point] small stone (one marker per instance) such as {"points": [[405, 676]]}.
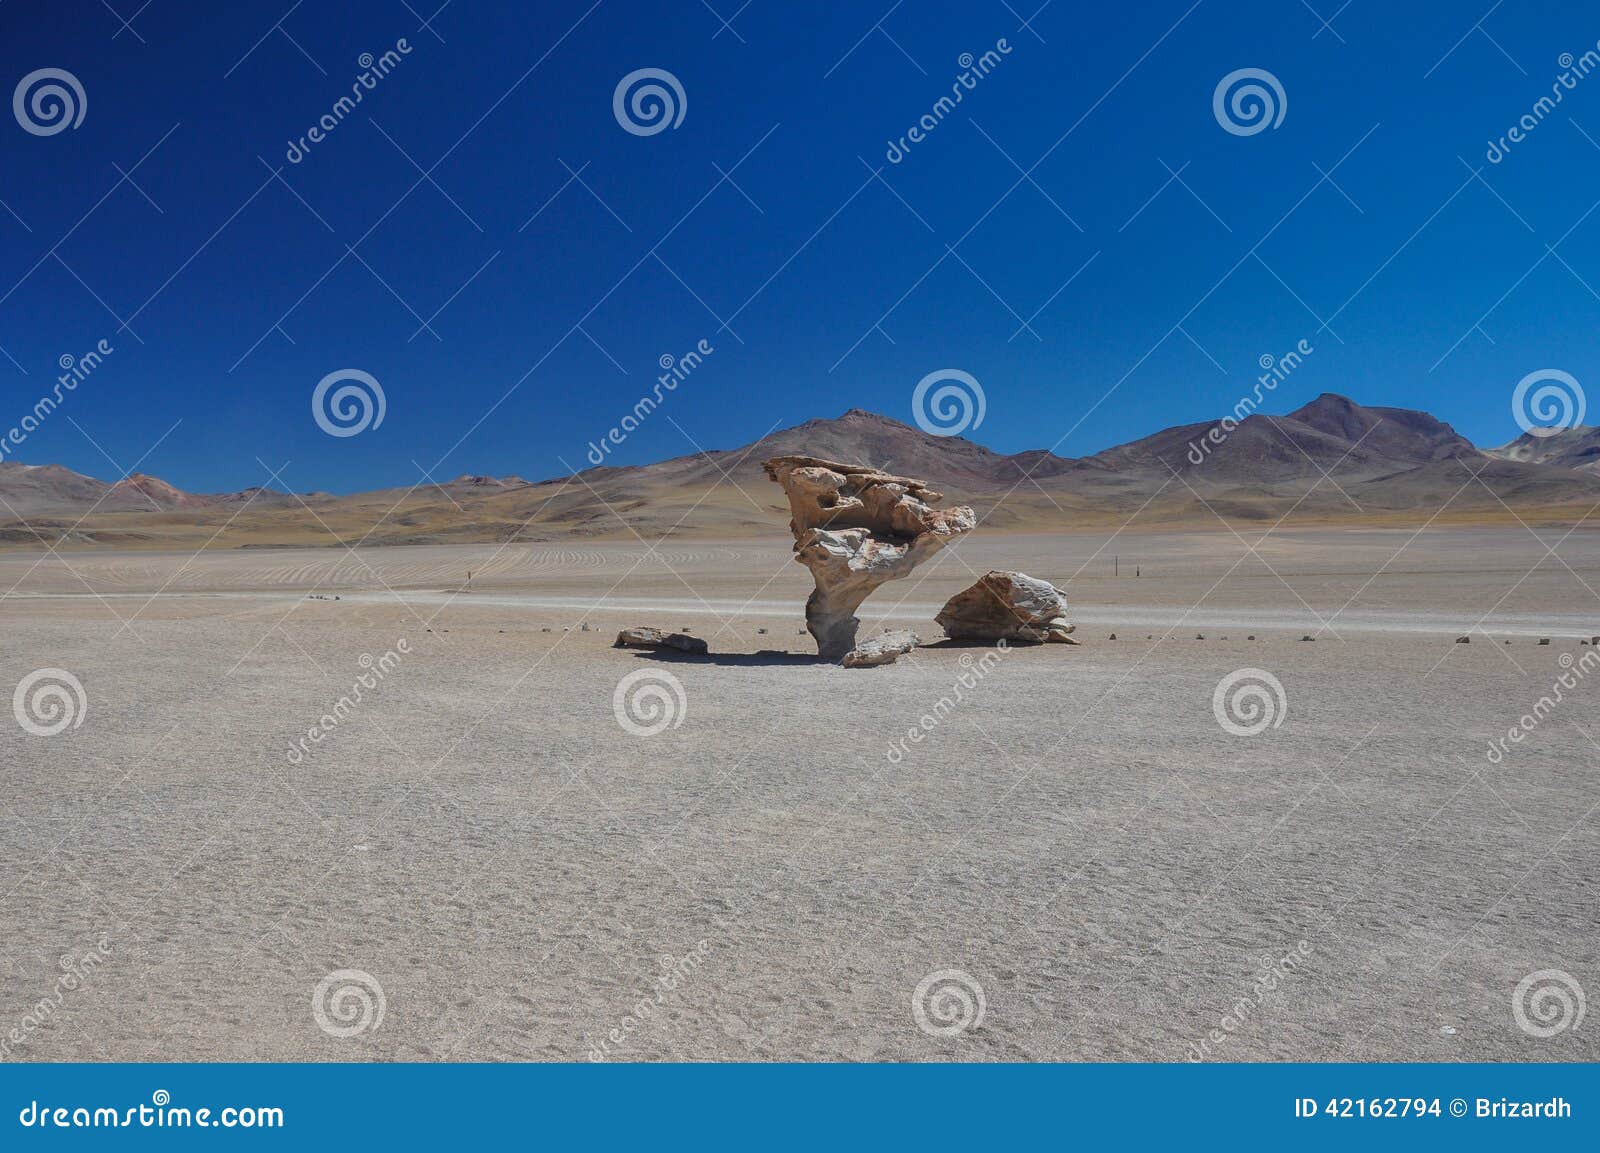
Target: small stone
{"points": [[883, 649], [761, 632], [1199, 636], [1251, 637], [1308, 637], [1463, 640], [648, 638], [1112, 637], [1544, 640]]}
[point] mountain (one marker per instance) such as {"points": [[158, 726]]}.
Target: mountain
{"points": [[139, 491], [1577, 448], [30, 489], [1330, 461]]}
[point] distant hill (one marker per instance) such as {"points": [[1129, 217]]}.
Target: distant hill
{"points": [[1331, 461], [1570, 448]]}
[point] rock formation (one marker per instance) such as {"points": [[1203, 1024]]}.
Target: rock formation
{"points": [[1008, 605], [648, 638], [855, 528], [883, 649]]}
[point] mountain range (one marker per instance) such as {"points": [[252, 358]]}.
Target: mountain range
{"points": [[1330, 461]]}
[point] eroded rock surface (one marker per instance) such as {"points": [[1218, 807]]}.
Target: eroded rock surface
{"points": [[1008, 605], [648, 638], [883, 649], [856, 528]]}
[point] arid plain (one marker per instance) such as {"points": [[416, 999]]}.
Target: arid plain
{"points": [[768, 877]]}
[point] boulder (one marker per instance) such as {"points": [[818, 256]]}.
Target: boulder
{"points": [[1010, 606], [648, 638], [883, 649], [856, 528]]}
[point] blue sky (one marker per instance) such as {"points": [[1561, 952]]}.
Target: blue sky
{"points": [[819, 286]]}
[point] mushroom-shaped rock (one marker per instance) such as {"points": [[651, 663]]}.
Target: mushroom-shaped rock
{"points": [[856, 528], [1009, 606]]}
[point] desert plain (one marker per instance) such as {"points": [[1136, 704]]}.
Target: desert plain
{"points": [[521, 877]]}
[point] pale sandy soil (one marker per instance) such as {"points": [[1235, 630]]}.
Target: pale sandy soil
{"points": [[1079, 834]]}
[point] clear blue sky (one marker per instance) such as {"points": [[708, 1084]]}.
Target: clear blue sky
{"points": [[801, 259]]}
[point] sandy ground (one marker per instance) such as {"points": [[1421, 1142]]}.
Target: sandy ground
{"points": [[1078, 835]]}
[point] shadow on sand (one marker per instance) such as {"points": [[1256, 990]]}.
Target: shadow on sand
{"points": [[740, 660]]}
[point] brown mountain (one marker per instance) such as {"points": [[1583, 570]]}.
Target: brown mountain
{"points": [[140, 491], [1570, 448], [1330, 461]]}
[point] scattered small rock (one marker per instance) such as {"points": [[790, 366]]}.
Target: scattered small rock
{"points": [[761, 632], [544, 630], [648, 638], [1544, 640], [1199, 636], [883, 649], [1308, 637], [1463, 640], [1251, 637]]}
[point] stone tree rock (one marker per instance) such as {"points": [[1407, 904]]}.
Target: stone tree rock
{"points": [[856, 528], [1011, 606]]}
